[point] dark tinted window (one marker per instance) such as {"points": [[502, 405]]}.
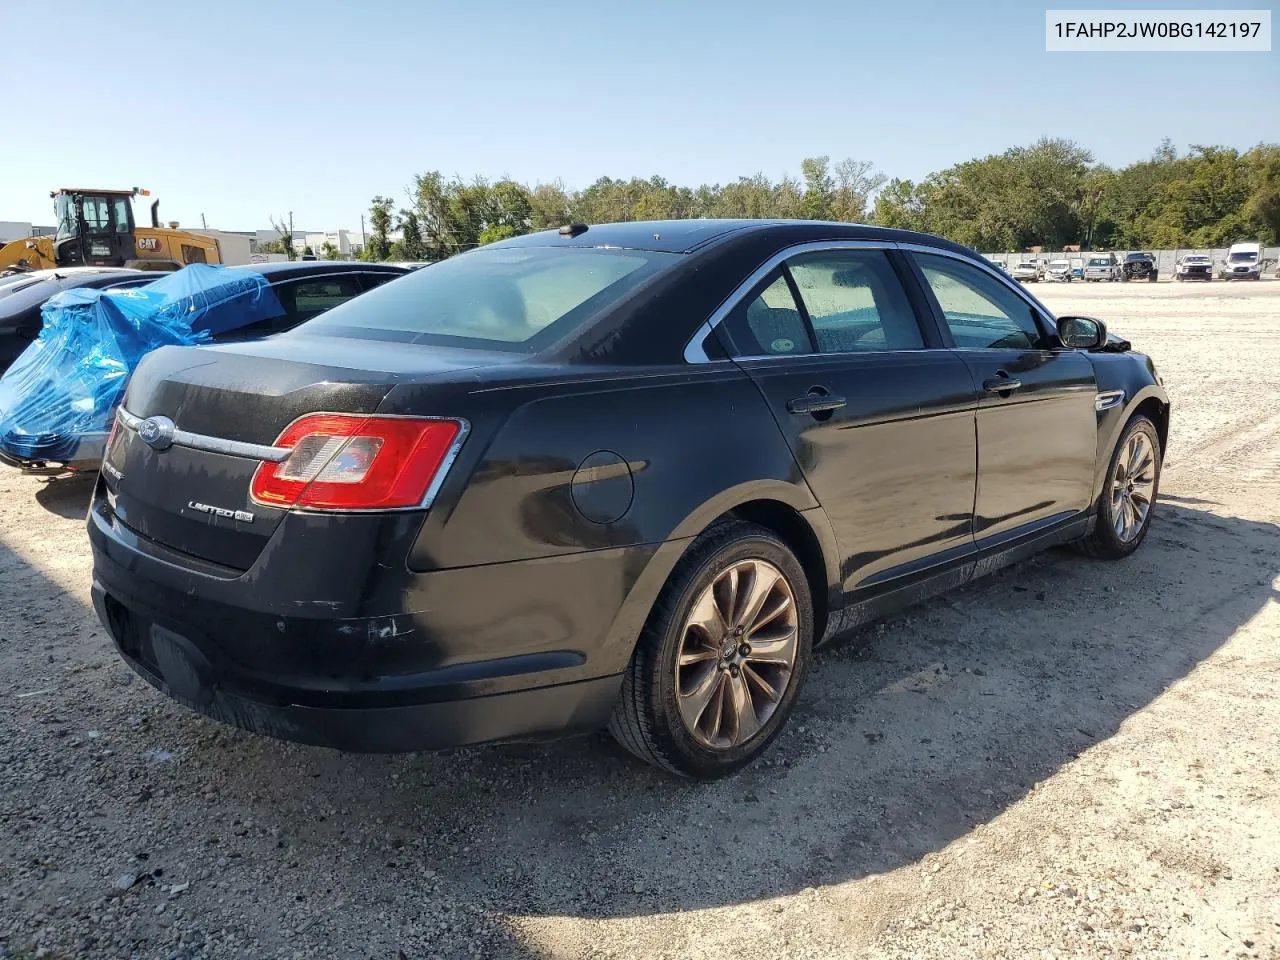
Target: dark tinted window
{"points": [[855, 302], [979, 309], [304, 299], [513, 298], [767, 324]]}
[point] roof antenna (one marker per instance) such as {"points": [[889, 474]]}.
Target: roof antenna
{"points": [[573, 229]]}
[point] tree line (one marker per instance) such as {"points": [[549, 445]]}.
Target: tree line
{"points": [[1050, 194]]}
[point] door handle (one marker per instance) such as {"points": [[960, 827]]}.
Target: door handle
{"points": [[816, 403], [1001, 384]]}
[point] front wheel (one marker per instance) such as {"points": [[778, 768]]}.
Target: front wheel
{"points": [[721, 660], [1126, 504]]}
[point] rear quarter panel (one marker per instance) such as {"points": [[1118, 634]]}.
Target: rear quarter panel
{"points": [[670, 449]]}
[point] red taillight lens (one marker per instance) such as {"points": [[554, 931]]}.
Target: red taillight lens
{"points": [[344, 462]]}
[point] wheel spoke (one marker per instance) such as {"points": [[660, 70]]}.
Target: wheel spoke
{"points": [[756, 591], [779, 651], [746, 723], [707, 617], [694, 703], [690, 657], [754, 678], [780, 604]]}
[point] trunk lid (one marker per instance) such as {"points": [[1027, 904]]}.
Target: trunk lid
{"points": [[196, 501]]}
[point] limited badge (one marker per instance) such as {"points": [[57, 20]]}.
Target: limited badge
{"points": [[782, 345]]}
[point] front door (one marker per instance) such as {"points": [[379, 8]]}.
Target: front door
{"points": [[880, 422], [1037, 426], [106, 230]]}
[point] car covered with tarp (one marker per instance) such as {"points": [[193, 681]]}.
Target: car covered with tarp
{"points": [[58, 399]]}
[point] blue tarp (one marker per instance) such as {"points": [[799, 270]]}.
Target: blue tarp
{"points": [[67, 384]]}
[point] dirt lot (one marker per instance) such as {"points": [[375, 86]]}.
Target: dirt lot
{"points": [[1068, 759]]}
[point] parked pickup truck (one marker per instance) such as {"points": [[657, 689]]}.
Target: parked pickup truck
{"points": [[1139, 266], [1028, 271], [1194, 266], [1059, 270], [1101, 268]]}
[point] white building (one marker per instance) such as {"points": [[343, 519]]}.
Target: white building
{"points": [[348, 243]]}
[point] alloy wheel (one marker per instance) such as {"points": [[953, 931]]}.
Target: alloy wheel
{"points": [[1133, 486], [737, 654]]}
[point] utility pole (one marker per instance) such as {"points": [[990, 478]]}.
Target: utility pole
{"points": [[290, 250], [362, 239], [203, 225]]}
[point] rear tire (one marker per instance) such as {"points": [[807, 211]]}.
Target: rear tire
{"points": [[1128, 497], [663, 716]]}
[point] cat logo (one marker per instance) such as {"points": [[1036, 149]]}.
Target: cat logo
{"points": [[148, 243]]}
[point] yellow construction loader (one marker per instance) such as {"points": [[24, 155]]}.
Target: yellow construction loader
{"points": [[96, 229]]}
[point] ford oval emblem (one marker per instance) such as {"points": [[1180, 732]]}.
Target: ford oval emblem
{"points": [[157, 432]]}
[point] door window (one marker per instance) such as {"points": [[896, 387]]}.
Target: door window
{"points": [[120, 213], [980, 311], [855, 302], [97, 217], [768, 324]]}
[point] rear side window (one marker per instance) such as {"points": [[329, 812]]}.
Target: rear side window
{"points": [[855, 302], [768, 324], [305, 299], [513, 298]]}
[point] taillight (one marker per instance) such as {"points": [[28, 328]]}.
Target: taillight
{"points": [[342, 462]]}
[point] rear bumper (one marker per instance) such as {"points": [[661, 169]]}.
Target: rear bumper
{"points": [[187, 669], [472, 659]]}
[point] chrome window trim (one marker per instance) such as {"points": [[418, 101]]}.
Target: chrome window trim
{"points": [[693, 349], [1005, 279]]}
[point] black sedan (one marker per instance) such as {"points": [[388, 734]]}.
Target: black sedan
{"points": [[626, 475]]}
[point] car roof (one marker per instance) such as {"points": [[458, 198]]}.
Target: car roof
{"points": [[287, 268], [686, 236]]}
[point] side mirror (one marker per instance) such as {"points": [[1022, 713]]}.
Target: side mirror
{"points": [[1082, 333]]}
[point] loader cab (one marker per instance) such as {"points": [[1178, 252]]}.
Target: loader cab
{"points": [[95, 228]]}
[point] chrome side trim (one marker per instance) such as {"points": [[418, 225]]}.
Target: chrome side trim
{"points": [[200, 441], [464, 428], [1107, 399], [693, 351]]}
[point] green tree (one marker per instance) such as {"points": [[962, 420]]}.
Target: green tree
{"points": [[819, 188], [329, 252], [378, 246], [411, 245], [496, 232]]}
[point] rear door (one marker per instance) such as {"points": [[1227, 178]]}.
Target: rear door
{"points": [[879, 416], [1037, 426]]}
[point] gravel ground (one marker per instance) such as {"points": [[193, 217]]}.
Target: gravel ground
{"points": [[1067, 759]]}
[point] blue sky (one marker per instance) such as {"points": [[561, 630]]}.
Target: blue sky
{"points": [[246, 110]]}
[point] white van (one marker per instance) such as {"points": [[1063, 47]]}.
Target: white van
{"points": [[1244, 262]]}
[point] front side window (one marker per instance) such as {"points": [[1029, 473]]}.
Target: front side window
{"points": [[511, 298], [68, 224], [855, 302], [980, 311]]}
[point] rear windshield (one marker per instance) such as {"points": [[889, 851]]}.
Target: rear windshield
{"points": [[517, 298], [1098, 262]]}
